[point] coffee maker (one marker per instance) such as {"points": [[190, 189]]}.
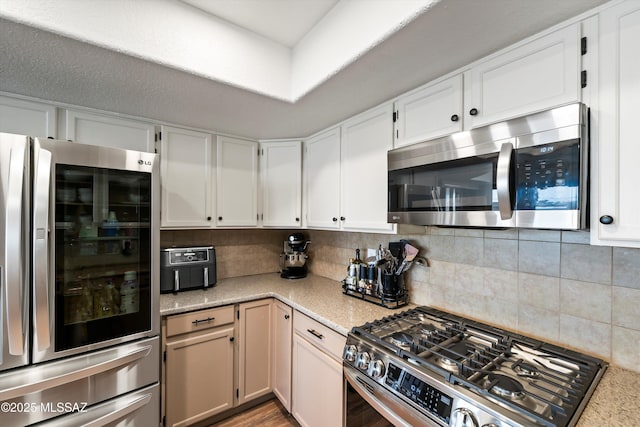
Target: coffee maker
{"points": [[293, 261]]}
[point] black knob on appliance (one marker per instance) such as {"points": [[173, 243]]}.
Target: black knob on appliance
{"points": [[334, 219], [219, 218], [455, 118], [473, 111], [342, 218], [606, 219]]}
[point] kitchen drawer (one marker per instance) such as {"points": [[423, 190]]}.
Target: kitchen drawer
{"points": [[319, 335], [199, 320]]}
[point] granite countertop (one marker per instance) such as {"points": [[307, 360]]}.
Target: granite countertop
{"points": [[614, 402]]}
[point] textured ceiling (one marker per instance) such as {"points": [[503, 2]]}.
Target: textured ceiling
{"points": [[453, 33]]}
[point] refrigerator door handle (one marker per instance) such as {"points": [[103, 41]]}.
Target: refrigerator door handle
{"points": [[129, 408], [12, 277], [41, 192], [60, 378]]}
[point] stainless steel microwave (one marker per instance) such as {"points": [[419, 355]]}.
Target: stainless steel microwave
{"points": [[529, 172]]}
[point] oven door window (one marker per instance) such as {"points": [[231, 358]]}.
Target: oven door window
{"points": [[548, 176], [359, 413], [102, 255], [467, 184]]}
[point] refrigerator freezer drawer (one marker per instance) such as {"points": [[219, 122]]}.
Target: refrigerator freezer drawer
{"points": [[50, 389], [140, 408]]}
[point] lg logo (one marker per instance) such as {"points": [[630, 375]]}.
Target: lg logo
{"points": [[144, 162]]}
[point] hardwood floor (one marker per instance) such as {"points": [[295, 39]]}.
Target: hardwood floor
{"points": [[268, 414]]}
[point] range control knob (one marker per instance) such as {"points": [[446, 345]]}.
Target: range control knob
{"points": [[362, 361], [350, 353], [463, 417], [376, 369]]}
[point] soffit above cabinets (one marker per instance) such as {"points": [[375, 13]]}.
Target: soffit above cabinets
{"points": [[172, 61]]}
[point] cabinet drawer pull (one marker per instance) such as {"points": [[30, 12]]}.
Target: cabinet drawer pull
{"points": [[316, 334], [207, 320]]}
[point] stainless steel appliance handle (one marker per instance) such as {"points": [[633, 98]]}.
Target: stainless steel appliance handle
{"points": [[206, 277], [378, 399], [503, 174], [129, 408], [12, 277], [176, 280], [58, 379], [41, 193]]}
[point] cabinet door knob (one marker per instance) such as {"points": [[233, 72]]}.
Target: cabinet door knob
{"points": [[455, 118], [232, 339], [286, 317], [473, 111], [219, 218], [208, 218], [334, 219], [297, 219], [342, 218], [606, 219]]}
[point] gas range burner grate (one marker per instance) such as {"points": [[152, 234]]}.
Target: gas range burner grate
{"points": [[546, 382]]}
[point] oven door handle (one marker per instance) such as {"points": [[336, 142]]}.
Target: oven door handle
{"points": [[503, 180], [379, 399]]}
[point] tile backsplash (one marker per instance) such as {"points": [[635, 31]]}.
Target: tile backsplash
{"points": [[548, 284]]}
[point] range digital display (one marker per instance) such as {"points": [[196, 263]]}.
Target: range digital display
{"points": [[426, 396]]}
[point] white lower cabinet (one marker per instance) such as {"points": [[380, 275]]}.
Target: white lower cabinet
{"points": [[282, 340], [254, 349], [198, 366], [317, 399]]}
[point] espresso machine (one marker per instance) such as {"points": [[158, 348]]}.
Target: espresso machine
{"points": [[293, 262]]}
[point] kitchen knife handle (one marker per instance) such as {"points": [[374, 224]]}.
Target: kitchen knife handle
{"points": [[13, 266], [41, 259]]}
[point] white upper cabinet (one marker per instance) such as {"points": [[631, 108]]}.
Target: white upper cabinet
{"points": [[429, 112], [27, 118], [281, 178], [365, 140], [109, 131], [539, 74], [615, 209], [186, 169], [237, 182], [322, 188]]}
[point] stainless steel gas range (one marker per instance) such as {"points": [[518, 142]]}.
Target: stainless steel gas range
{"points": [[427, 367]]}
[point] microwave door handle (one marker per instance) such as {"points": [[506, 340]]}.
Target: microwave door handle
{"points": [[12, 276], [41, 193], [503, 184]]}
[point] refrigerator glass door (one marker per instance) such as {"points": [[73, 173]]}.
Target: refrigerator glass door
{"points": [[95, 246], [102, 254]]}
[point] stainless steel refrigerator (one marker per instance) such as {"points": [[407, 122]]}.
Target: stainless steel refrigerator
{"points": [[79, 284]]}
